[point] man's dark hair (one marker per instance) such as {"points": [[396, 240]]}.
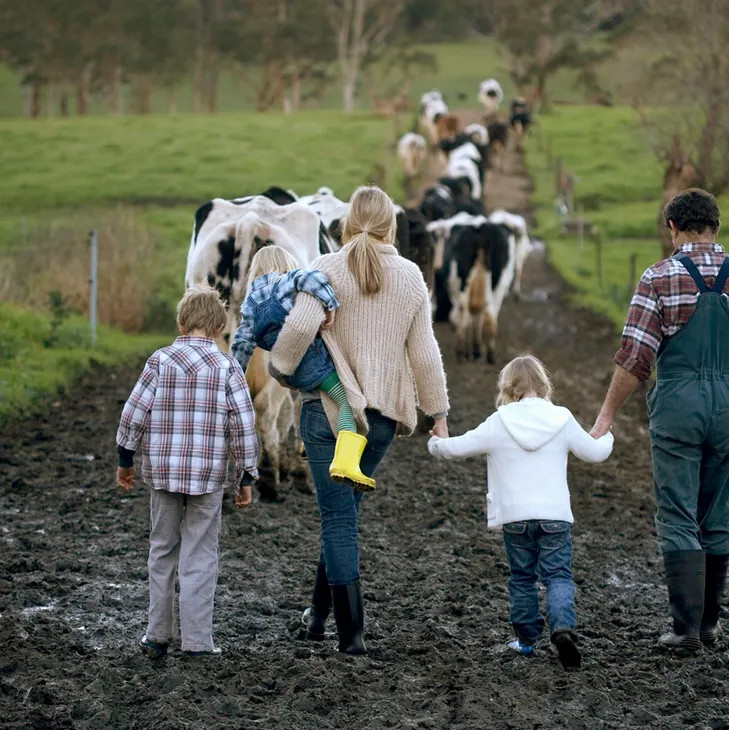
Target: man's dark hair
{"points": [[693, 210]]}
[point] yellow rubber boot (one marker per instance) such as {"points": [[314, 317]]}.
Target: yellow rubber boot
{"points": [[345, 466]]}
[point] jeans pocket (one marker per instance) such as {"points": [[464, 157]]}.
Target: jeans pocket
{"points": [[315, 426], [515, 528], [553, 526], [554, 534]]}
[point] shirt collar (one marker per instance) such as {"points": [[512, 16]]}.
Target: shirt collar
{"points": [[207, 342], [701, 247]]}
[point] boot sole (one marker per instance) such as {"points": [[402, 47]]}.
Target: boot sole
{"points": [[569, 654], [344, 479], [687, 645]]}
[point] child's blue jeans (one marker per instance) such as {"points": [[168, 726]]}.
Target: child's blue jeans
{"points": [[316, 364], [540, 548]]}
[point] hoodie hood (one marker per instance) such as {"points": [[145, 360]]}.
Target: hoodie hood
{"points": [[533, 422]]}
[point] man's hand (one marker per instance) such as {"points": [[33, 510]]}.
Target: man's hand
{"points": [[328, 322], [243, 497], [440, 428], [125, 477], [601, 427]]}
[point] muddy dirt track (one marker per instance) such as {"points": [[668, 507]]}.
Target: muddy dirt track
{"points": [[73, 581]]}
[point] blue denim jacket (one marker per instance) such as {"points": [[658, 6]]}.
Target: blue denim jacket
{"points": [[283, 288]]}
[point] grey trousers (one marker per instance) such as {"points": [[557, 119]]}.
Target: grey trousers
{"points": [[184, 535]]}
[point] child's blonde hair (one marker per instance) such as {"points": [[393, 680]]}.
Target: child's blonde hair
{"points": [[270, 260], [524, 374], [201, 309], [370, 220]]}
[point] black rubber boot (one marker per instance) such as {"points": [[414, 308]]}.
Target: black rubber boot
{"points": [[349, 615], [685, 575], [566, 644], [716, 566], [314, 619]]}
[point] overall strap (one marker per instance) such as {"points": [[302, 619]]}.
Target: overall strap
{"points": [[693, 270], [721, 277]]}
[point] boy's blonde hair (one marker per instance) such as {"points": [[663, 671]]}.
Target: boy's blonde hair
{"points": [[270, 260], [370, 220], [524, 374], [201, 309]]}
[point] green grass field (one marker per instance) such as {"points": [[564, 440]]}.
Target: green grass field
{"points": [[618, 183], [63, 177]]}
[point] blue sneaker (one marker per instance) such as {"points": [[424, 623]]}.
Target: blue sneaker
{"points": [[524, 649]]}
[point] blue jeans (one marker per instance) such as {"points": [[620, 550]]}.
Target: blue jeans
{"points": [[544, 546], [338, 503], [317, 363]]}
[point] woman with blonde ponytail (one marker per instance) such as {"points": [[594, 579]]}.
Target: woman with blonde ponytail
{"points": [[388, 361]]}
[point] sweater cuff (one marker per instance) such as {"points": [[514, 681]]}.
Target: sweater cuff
{"points": [[126, 457]]}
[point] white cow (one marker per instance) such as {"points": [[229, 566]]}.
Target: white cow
{"points": [[225, 237], [490, 94], [523, 244], [465, 161], [411, 151], [430, 113]]}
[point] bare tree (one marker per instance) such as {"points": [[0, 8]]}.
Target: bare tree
{"points": [[684, 99], [361, 26], [543, 36]]}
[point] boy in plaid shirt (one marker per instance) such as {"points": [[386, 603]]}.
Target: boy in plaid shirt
{"points": [[189, 409]]}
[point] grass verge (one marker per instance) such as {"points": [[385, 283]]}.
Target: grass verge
{"points": [[618, 184], [39, 360], [138, 180]]}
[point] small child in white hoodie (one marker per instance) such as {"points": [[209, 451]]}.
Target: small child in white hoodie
{"points": [[527, 441]]}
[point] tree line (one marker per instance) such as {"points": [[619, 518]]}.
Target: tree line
{"points": [[288, 51]]}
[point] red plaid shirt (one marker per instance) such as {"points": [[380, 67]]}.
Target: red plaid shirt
{"points": [[188, 410], [664, 301]]}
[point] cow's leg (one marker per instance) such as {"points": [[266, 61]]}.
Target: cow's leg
{"points": [[478, 327], [489, 330], [268, 435]]}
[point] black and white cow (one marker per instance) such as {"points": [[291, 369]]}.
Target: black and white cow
{"points": [[226, 234], [474, 276], [480, 269], [522, 247]]}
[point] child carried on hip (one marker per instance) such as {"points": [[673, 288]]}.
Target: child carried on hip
{"points": [[527, 442], [274, 281]]}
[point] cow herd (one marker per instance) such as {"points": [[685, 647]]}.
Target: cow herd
{"points": [[469, 260]]}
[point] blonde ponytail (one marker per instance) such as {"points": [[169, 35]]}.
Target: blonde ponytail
{"points": [[369, 222]]}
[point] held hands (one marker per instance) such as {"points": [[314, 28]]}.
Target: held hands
{"points": [[440, 428], [603, 424], [125, 477]]}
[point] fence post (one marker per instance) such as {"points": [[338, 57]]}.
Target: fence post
{"points": [[581, 225], [94, 284], [598, 253], [633, 272]]}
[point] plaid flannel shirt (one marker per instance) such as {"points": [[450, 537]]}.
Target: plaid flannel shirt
{"points": [[663, 303], [284, 287], [189, 409]]}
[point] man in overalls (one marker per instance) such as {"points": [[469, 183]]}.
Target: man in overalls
{"points": [[679, 320]]}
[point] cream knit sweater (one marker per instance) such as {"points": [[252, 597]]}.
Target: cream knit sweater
{"points": [[382, 345]]}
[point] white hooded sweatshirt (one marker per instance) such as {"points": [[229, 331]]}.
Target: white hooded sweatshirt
{"points": [[527, 444]]}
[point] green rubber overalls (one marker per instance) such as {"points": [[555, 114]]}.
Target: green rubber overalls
{"points": [[689, 425]]}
